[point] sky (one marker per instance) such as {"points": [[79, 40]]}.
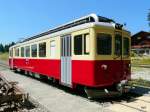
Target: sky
{"points": [[24, 18]]}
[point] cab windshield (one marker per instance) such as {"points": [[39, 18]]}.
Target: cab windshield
{"points": [[118, 44], [104, 44], [125, 46]]}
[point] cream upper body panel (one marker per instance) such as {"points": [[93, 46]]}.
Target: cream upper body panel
{"points": [[112, 32], [89, 28]]}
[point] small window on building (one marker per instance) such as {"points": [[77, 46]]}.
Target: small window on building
{"points": [[17, 52], [42, 49], [78, 45], [22, 51], [34, 50], [27, 50], [52, 49], [125, 46], [147, 51], [118, 44], [104, 44]]}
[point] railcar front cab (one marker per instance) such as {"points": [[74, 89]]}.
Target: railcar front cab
{"points": [[112, 62]]}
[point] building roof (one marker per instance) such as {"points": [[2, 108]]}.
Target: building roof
{"points": [[141, 34], [141, 40], [140, 46]]}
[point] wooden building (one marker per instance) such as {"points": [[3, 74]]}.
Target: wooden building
{"points": [[140, 43]]}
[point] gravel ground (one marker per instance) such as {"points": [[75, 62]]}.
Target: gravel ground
{"points": [[30, 105], [140, 72], [33, 106], [53, 99]]}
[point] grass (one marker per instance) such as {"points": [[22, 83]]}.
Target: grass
{"points": [[140, 60], [4, 56], [137, 69], [140, 82]]}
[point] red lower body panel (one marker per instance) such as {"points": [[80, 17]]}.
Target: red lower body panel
{"points": [[84, 72], [46, 67], [91, 73]]}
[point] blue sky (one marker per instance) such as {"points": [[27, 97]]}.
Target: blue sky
{"points": [[25, 18]]}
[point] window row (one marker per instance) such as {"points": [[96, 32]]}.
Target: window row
{"points": [[32, 51], [104, 44], [81, 46]]}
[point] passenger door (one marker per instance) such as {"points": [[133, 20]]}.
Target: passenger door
{"points": [[118, 46], [126, 48], [66, 64], [126, 56], [118, 53]]}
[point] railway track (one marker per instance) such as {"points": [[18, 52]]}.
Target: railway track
{"points": [[122, 102], [4, 65], [132, 106]]}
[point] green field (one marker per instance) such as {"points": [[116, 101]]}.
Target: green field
{"points": [[4, 56], [140, 82], [140, 60]]}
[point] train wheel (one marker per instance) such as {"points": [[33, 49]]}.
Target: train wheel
{"points": [[22, 72]]}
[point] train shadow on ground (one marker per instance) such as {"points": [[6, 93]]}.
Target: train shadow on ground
{"points": [[128, 97]]}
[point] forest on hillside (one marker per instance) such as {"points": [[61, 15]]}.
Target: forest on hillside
{"points": [[5, 48]]}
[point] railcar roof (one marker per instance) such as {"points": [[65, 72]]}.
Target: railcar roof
{"points": [[87, 19]]}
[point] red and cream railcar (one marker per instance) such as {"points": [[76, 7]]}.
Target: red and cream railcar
{"points": [[92, 51]]}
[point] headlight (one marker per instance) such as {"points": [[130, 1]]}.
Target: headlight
{"points": [[104, 67]]}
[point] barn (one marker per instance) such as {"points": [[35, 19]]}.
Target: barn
{"points": [[140, 43]]}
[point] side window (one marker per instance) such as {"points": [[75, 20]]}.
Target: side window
{"points": [[17, 52], [34, 50], [22, 51], [27, 50], [78, 45], [86, 43], [118, 44], [104, 44], [52, 49], [10, 52], [42, 49], [82, 44], [125, 46]]}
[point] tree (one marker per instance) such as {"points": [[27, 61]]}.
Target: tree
{"points": [[1, 48], [5, 48]]}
